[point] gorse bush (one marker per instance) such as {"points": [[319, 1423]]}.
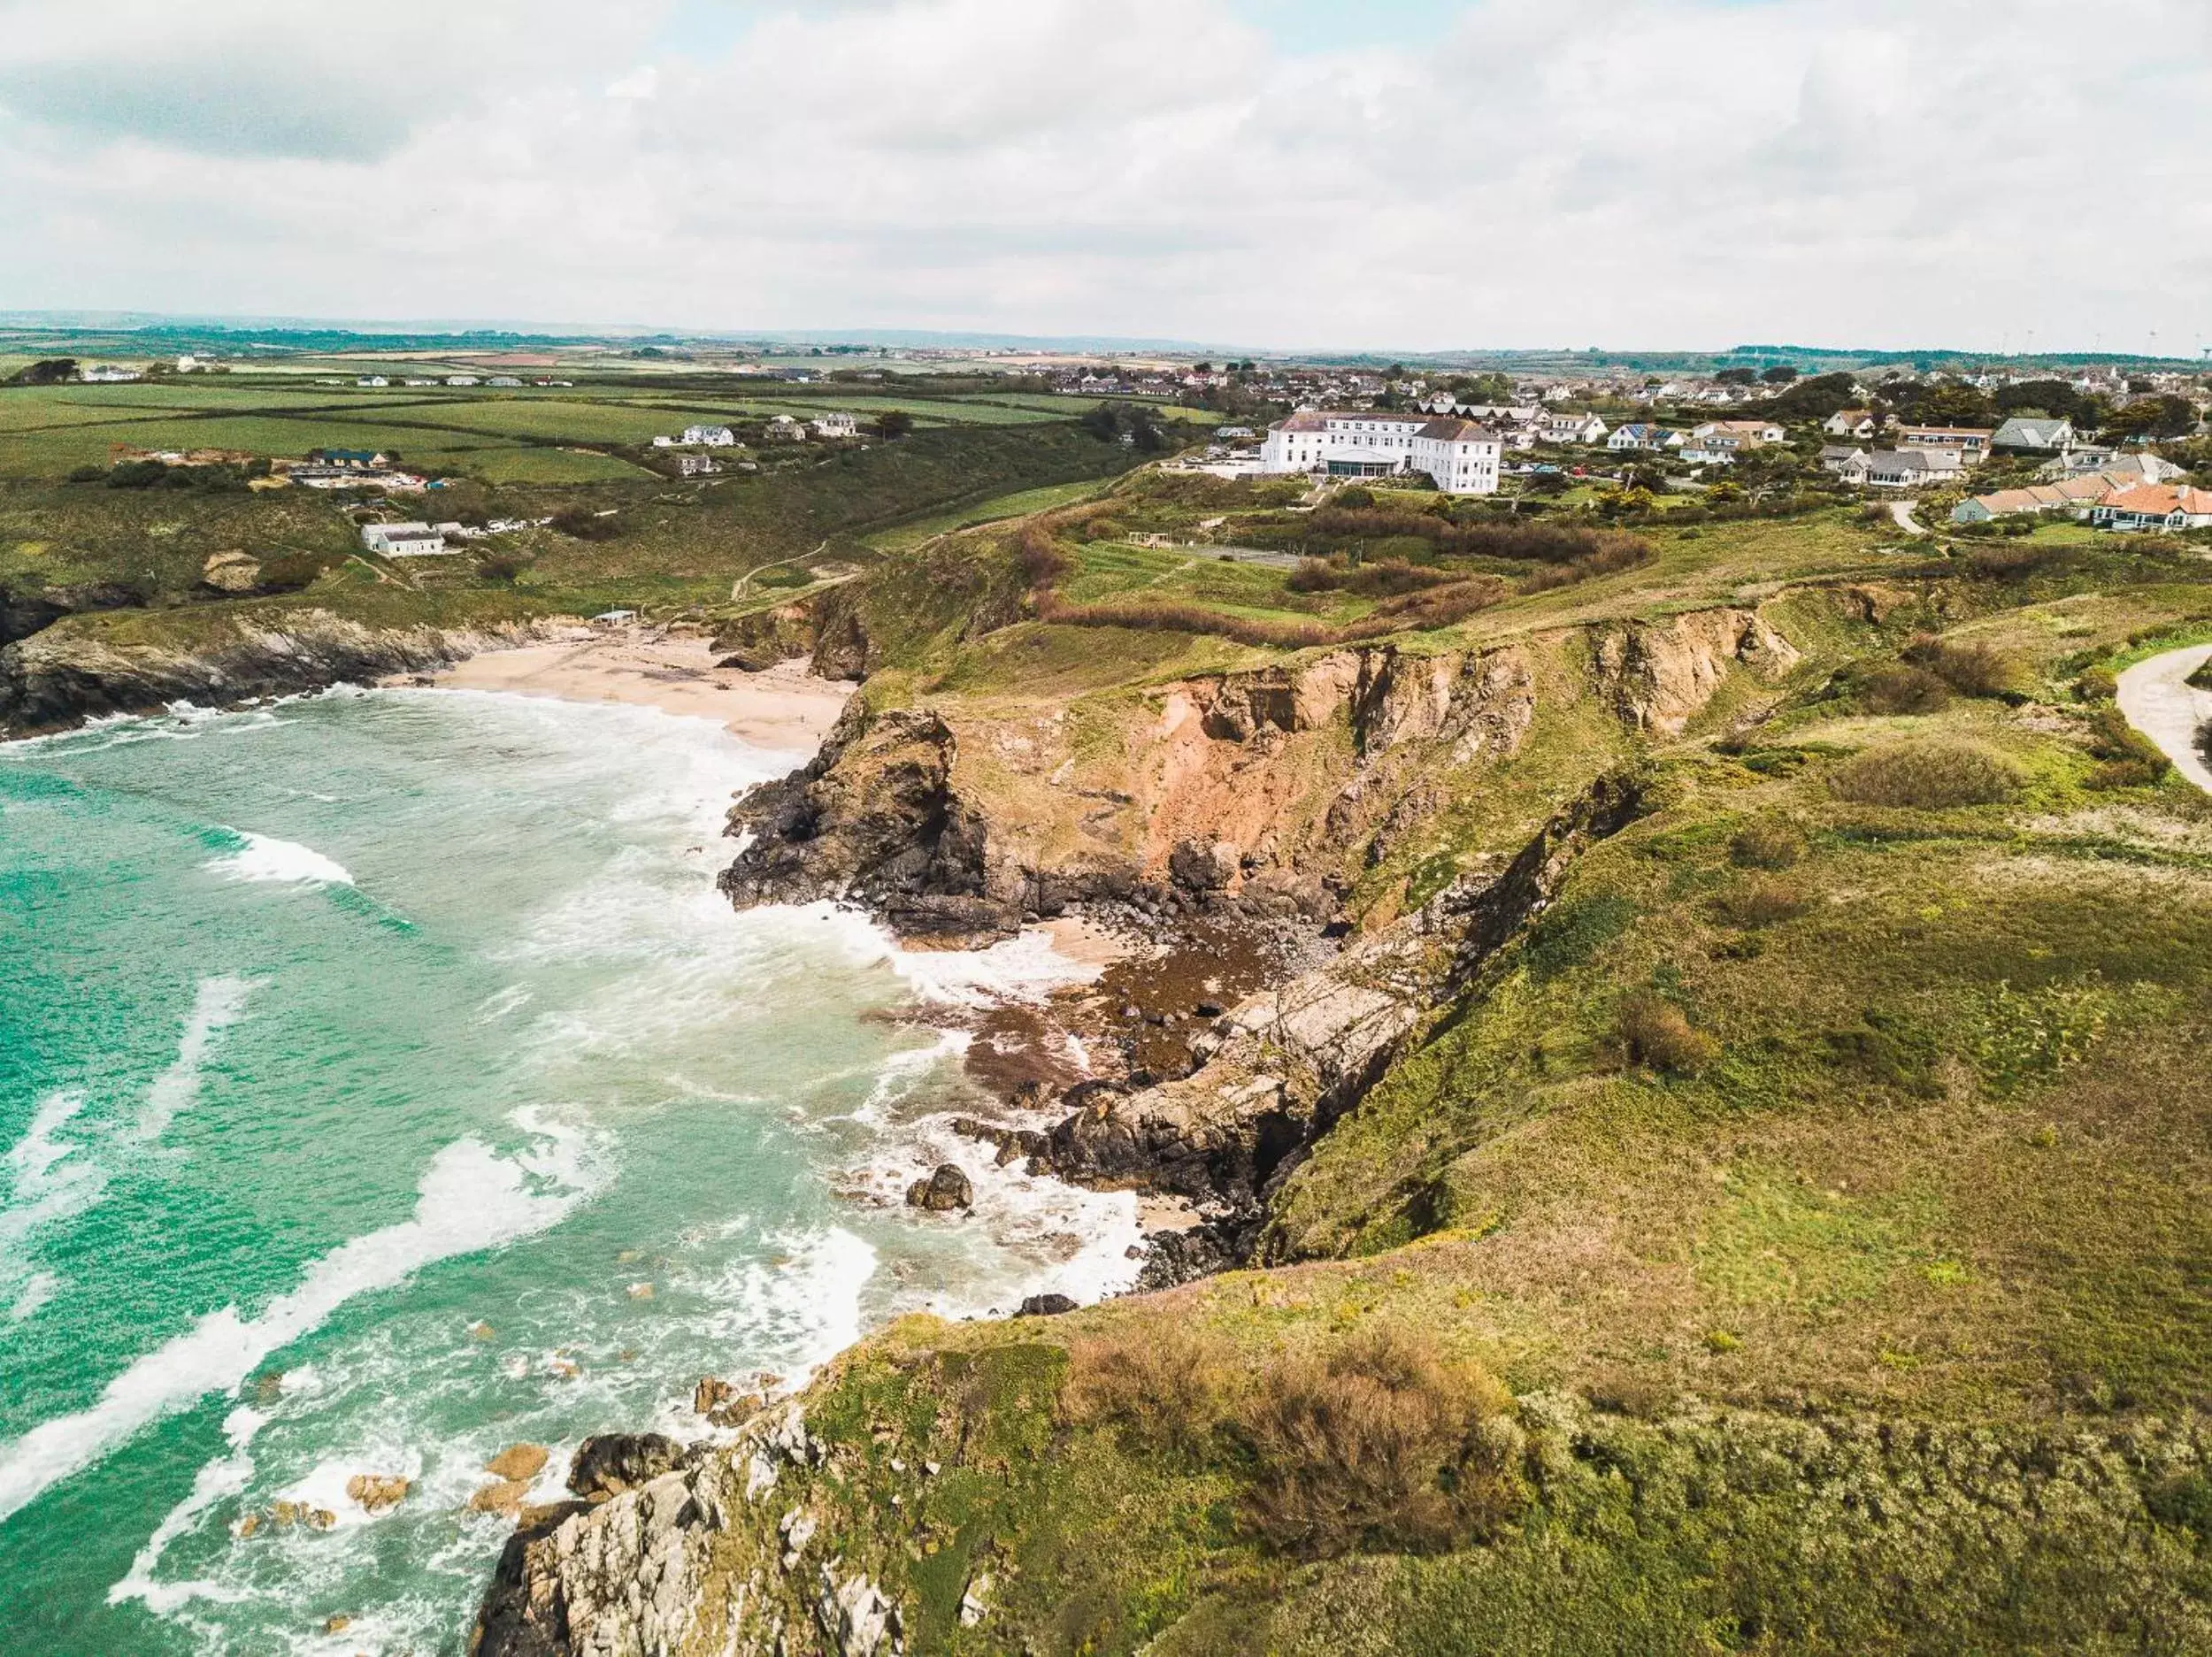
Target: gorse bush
{"points": [[1387, 578], [1898, 689], [1971, 669], [1758, 903], [1431, 608], [1378, 1444], [1522, 542], [2132, 760], [1163, 1390], [1622, 553], [1766, 846], [1653, 1033], [1927, 775]]}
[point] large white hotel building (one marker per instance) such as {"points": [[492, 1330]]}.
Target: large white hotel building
{"points": [[1462, 456]]}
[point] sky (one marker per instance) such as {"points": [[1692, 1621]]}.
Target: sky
{"points": [[1371, 174]]}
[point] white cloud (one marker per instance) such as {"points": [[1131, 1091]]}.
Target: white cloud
{"points": [[1618, 171]]}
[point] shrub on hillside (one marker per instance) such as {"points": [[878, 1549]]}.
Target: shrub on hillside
{"points": [[1371, 578], [1927, 776], [1759, 903], [1623, 552], [1656, 1034], [1043, 563], [2101, 683], [1766, 846], [1898, 689], [1971, 669], [1160, 1389], [2201, 679], [2132, 760], [581, 522], [1378, 1443]]}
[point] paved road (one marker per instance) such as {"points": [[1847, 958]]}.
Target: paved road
{"points": [[2158, 701], [1901, 510]]}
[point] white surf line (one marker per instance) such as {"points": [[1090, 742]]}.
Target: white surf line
{"points": [[469, 1199], [45, 1185], [2158, 701], [217, 1003], [225, 1476], [264, 857]]}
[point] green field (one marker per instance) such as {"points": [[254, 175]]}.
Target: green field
{"points": [[1016, 505]]}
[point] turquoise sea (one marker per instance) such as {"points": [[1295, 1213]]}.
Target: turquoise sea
{"points": [[383, 1082]]}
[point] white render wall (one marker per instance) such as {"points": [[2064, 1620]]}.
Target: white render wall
{"points": [[1460, 466]]}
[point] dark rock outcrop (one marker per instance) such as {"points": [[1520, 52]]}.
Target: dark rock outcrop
{"points": [[65, 674], [25, 610], [615, 1462], [944, 1191], [1046, 1306], [872, 819]]}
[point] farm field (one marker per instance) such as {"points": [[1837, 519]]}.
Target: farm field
{"points": [[1016, 505]]}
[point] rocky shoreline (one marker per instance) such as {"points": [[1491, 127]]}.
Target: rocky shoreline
{"points": [[54, 678]]}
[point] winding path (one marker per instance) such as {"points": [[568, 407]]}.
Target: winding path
{"points": [[2159, 701], [1902, 512]]}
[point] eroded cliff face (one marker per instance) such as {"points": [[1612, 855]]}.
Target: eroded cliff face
{"points": [[1280, 1067], [1266, 790], [1658, 675], [62, 675]]}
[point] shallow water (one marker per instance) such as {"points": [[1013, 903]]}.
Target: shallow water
{"points": [[381, 1083]]}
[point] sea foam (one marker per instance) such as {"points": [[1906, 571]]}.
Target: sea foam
{"points": [[263, 857], [217, 1003], [469, 1199]]}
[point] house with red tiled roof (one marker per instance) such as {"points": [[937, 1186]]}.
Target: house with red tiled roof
{"points": [[2158, 506]]}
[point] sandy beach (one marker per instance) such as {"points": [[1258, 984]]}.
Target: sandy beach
{"points": [[785, 708]]}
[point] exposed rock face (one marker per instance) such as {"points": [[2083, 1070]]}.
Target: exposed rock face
{"points": [[1477, 703], [872, 819], [25, 610], [615, 1462], [630, 1575], [233, 571], [62, 675], [1658, 675], [945, 1191], [1284, 1064], [766, 637]]}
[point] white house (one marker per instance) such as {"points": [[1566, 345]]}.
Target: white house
{"points": [[105, 374], [1737, 434], [1911, 468], [783, 428], [1637, 435], [1971, 442], [1846, 461], [503, 380], [372, 379], [1570, 429], [837, 423], [2159, 506], [460, 379], [708, 437], [694, 465], [1461, 456], [403, 540], [1860, 422]]}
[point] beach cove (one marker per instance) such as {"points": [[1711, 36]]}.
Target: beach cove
{"points": [[386, 1085]]}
